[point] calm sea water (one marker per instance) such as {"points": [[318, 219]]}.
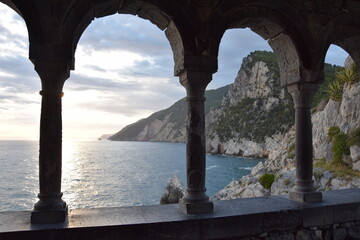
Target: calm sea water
{"points": [[107, 174]]}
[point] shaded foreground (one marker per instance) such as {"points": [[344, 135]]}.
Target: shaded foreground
{"points": [[274, 217]]}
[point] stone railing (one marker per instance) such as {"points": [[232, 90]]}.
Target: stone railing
{"points": [[275, 217]]}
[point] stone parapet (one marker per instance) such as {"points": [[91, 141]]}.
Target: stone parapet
{"points": [[275, 217]]}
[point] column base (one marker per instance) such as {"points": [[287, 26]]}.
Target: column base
{"points": [[49, 216], [306, 197], [49, 209], [196, 207]]}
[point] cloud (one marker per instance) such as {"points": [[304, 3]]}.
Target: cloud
{"points": [[79, 82], [124, 72], [126, 32]]}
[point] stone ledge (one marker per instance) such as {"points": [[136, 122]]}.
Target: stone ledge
{"points": [[230, 219]]}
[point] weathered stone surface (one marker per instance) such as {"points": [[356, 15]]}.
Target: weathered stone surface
{"points": [[51, 208], [173, 192], [280, 236], [325, 179], [354, 232], [322, 121], [284, 183], [355, 153], [247, 186], [348, 62], [356, 166], [256, 82], [258, 170], [339, 234], [306, 235]]}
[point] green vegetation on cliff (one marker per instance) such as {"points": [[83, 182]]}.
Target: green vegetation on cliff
{"points": [[253, 118], [248, 120], [330, 77], [265, 56]]}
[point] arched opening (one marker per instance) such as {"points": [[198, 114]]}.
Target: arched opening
{"points": [[124, 73], [335, 123], [255, 113], [19, 116]]}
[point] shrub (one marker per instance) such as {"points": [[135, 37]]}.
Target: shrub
{"points": [[341, 143], [354, 137], [266, 180], [330, 76], [348, 75], [286, 181], [340, 147], [291, 151], [333, 131], [335, 90]]}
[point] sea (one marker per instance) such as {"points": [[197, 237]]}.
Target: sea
{"points": [[108, 173]]}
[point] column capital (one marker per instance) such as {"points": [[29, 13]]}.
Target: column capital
{"points": [[53, 75], [196, 63], [195, 82], [303, 93]]}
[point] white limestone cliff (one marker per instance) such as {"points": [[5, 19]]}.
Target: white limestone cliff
{"points": [[259, 83], [344, 114]]}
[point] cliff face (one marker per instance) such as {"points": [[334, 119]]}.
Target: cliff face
{"points": [[255, 111], [168, 125], [248, 118], [240, 119], [344, 114]]}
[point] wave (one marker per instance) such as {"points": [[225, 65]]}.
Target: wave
{"points": [[246, 168], [214, 166]]}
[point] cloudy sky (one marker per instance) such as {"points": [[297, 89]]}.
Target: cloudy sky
{"points": [[123, 72]]}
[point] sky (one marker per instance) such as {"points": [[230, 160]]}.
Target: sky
{"points": [[123, 72]]}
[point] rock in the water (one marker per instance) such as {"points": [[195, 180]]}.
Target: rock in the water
{"points": [[173, 191]]}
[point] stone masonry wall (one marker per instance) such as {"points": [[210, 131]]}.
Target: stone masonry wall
{"points": [[343, 231]]}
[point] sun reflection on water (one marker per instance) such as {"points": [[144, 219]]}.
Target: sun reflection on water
{"points": [[70, 172]]}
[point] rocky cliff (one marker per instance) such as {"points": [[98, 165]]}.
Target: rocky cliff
{"points": [[253, 113], [342, 115], [248, 118], [242, 119], [168, 125]]}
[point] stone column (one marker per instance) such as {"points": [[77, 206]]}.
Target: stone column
{"points": [[304, 190], [195, 199], [50, 208]]}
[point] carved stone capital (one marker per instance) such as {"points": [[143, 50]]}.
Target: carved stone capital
{"points": [[195, 83], [303, 94], [53, 75]]}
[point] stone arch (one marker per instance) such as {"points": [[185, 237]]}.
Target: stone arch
{"points": [[285, 30], [10, 4], [164, 16], [344, 31]]}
